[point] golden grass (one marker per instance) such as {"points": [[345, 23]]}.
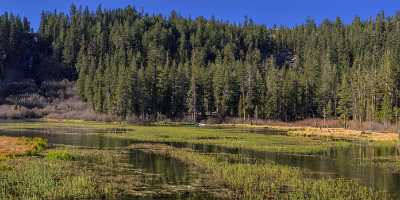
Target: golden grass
{"points": [[306, 131], [337, 133], [11, 146]]}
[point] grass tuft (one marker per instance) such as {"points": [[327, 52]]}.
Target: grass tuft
{"points": [[59, 155]]}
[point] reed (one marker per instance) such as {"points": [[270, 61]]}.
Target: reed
{"points": [[34, 178], [267, 180], [59, 155]]}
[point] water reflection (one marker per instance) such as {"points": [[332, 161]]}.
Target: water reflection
{"points": [[353, 162], [171, 171], [74, 139]]}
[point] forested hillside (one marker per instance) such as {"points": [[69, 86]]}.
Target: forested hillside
{"points": [[26, 55], [128, 63]]}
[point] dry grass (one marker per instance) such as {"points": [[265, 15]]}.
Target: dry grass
{"points": [[10, 146], [336, 133], [341, 133]]}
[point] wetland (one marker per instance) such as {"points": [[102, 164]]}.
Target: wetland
{"points": [[88, 160]]}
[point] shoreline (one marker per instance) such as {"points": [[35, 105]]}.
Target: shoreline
{"points": [[336, 133], [304, 131]]}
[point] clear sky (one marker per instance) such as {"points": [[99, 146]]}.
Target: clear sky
{"points": [[268, 12]]}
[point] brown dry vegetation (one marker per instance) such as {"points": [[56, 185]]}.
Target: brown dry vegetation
{"points": [[333, 133], [10, 146]]}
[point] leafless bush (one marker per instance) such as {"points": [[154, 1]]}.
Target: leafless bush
{"points": [[74, 108], [17, 112], [54, 99], [237, 120], [66, 105], [373, 126], [321, 123], [133, 119], [316, 122], [32, 100], [83, 115], [213, 120]]}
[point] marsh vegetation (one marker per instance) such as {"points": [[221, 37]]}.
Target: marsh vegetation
{"points": [[120, 161]]}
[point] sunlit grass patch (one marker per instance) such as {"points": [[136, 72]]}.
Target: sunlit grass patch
{"points": [[12, 147], [226, 137], [59, 155], [34, 178], [66, 173], [232, 138]]}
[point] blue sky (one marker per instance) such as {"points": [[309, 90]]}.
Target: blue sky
{"points": [[268, 12]]}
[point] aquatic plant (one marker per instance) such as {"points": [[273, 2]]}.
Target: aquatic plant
{"points": [[59, 155], [267, 180], [38, 179]]}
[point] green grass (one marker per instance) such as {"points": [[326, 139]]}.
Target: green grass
{"points": [[231, 138], [234, 137], [271, 181], [38, 143], [68, 173], [260, 180], [59, 155], [34, 178]]}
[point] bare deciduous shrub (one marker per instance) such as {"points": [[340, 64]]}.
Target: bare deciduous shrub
{"points": [[319, 123], [373, 126], [17, 112], [74, 108], [30, 101]]}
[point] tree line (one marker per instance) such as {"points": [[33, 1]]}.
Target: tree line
{"points": [[129, 63], [25, 54]]}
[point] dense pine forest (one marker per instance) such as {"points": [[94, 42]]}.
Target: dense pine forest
{"points": [[128, 63]]}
